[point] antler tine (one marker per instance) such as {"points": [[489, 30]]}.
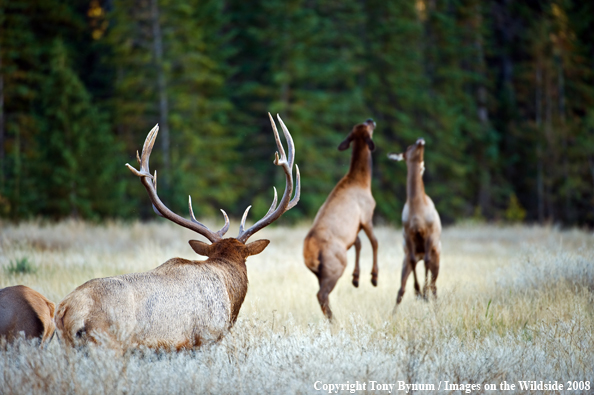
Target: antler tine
{"points": [[192, 217], [242, 225], [290, 144], [279, 145], [147, 148], [295, 199], [155, 183], [150, 183], [270, 211], [225, 227], [221, 232], [273, 205]]}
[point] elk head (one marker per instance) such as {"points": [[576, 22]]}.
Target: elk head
{"points": [[232, 249], [413, 154], [362, 132]]}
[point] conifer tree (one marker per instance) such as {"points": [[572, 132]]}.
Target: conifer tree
{"points": [[77, 157]]}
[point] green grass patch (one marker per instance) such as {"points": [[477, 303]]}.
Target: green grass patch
{"points": [[20, 266]]}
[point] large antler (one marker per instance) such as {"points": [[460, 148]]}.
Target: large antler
{"points": [[287, 164], [150, 183]]}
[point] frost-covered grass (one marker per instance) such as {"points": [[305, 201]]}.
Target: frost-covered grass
{"points": [[514, 303]]}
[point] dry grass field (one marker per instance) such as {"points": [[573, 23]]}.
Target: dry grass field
{"points": [[514, 304]]}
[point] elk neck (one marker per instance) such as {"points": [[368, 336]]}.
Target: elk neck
{"points": [[360, 168], [234, 274], [415, 188]]}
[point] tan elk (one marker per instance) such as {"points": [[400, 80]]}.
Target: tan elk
{"points": [[348, 209], [422, 226], [24, 310], [182, 303]]}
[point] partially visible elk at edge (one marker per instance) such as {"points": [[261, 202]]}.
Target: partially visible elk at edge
{"points": [[182, 303], [24, 310], [422, 226], [347, 210]]}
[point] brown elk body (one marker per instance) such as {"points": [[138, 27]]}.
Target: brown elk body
{"points": [[182, 303], [24, 310], [348, 209], [421, 223]]}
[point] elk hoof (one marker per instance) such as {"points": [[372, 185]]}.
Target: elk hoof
{"points": [[374, 281], [356, 282]]}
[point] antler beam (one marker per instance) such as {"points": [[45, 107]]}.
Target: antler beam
{"points": [[150, 183]]}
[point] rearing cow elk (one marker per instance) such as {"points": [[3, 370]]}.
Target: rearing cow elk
{"points": [[348, 209], [422, 226], [182, 303]]}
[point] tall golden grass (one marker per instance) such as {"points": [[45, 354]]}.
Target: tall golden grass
{"points": [[514, 303]]}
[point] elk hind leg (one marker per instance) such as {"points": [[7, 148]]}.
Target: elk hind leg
{"points": [[332, 267], [434, 268], [406, 269], [357, 255], [368, 228], [424, 292]]}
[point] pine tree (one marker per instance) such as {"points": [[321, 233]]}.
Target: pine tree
{"points": [[76, 156]]}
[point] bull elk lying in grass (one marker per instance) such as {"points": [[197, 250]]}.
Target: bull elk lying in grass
{"points": [[182, 303], [422, 226], [24, 310], [348, 209]]}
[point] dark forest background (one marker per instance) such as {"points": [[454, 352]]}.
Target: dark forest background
{"points": [[501, 90]]}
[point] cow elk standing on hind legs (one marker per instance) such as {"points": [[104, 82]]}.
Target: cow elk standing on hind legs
{"points": [[182, 303], [422, 226], [348, 209]]}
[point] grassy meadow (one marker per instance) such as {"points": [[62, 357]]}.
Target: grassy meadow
{"points": [[514, 304]]}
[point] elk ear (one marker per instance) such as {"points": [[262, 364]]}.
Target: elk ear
{"points": [[395, 156], [256, 247], [345, 144], [200, 247], [370, 144]]}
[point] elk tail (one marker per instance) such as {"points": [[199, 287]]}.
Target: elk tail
{"points": [[69, 325], [313, 255]]}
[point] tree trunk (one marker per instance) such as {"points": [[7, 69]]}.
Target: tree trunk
{"points": [[484, 196], [161, 88], [552, 155], [1, 125], [591, 160], [539, 161], [16, 197], [565, 154]]}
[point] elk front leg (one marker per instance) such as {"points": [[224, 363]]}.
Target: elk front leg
{"points": [[368, 228], [333, 266], [357, 255]]}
